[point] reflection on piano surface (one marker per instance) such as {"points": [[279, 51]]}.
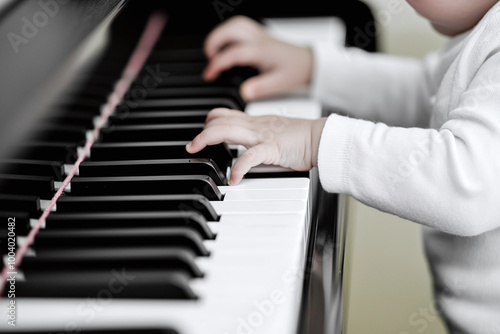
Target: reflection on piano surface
{"points": [[147, 238]]}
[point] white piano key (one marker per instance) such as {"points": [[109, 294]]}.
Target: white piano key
{"points": [[233, 194], [251, 207], [270, 183]]}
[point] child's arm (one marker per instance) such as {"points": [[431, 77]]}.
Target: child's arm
{"points": [[378, 87], [446, 178]]}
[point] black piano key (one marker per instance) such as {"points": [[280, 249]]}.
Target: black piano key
{"points": [[116, 283], [54, 169], [176, 80], [64, 152], [105, 258], [92, 90], [169, 68], [153, 167], [114, 330], [74, 134], [159, 237], [23, 203], [198, 92], [220, 153], [176, 55], [158, 117], [83, 102], [108, 220], [150, 132], [42, 186], [146, 185], [178, 104], [182, 203], [64, 118], [230, 78]]}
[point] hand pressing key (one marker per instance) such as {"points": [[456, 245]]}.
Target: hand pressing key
{"points": [[241, 41], [271, 140]]}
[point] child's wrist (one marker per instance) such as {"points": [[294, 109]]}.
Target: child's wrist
{"points": [[316, 131]]}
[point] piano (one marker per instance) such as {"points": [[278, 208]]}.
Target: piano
{"points": [[108, 224]]}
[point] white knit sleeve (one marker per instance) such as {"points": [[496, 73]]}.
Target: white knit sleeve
{"points": [[448, 178], [378, 87]]}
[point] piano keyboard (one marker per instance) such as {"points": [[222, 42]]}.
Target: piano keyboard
{"points": [[146, 235]]}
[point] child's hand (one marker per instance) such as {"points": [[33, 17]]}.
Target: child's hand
{"points": [[243, 42], [272, 140]]}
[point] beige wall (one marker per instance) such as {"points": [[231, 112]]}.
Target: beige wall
{"points": [[387, 279]]}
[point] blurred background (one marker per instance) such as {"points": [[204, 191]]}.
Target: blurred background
{"points": [[388, 284]]}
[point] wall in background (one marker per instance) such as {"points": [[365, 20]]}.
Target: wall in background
{"points": [[388, 285]]}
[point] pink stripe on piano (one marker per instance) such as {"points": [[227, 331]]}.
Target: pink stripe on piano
{"points": [[142, 51]]}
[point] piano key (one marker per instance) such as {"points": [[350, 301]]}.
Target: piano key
{"points": [[192, 67], [168, 55], [159, 237], [159, 117], [146, 185], [178, 80], [52, 151], [53, 169], [61, 119], [114, 330], [76, 134], [230, 78], [220, 153], [105, 258], [153, 167], [91, 90], [117, 283], [181, 104], [150, 132], [182, 203], [197, 92], [107, 220], [24, 203], [42, 186], [83, 103]]}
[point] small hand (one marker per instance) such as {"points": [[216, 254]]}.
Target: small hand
{"points": [[272, 140], [241, 41]]}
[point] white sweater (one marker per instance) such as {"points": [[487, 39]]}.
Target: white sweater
{"points": [[430, 153]]}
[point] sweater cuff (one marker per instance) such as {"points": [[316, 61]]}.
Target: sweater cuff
{"points": [[334, 153]]}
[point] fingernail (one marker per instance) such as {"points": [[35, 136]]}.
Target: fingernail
{"points": [[188, 145]]}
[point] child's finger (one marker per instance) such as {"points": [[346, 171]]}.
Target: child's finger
{"points": [[232, 31], [264, 85], [224, 112], [230, 121], [235, 55], [252, 157], [222, 133]]}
